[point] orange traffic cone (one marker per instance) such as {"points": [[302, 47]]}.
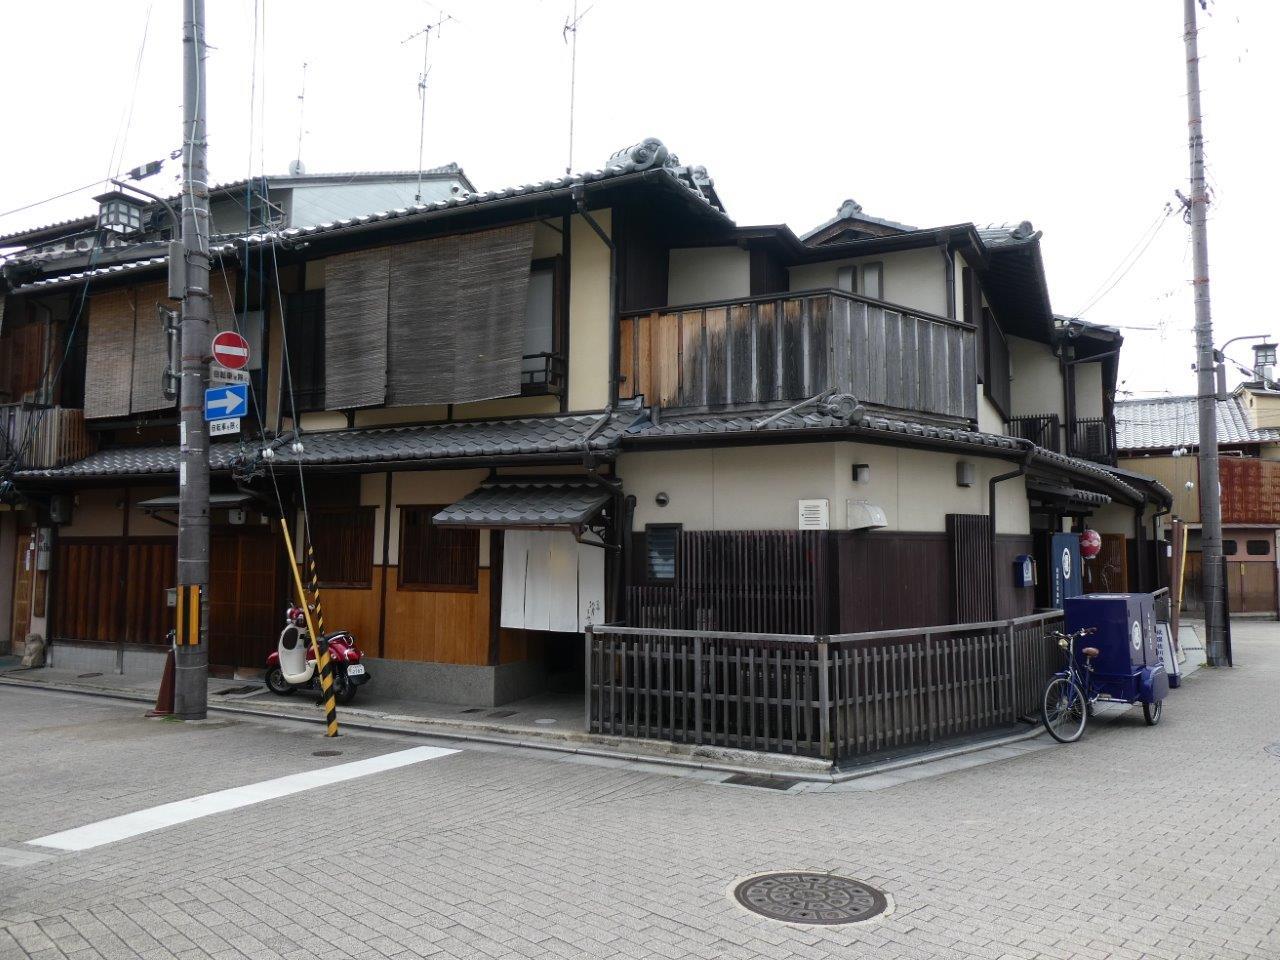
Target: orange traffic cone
{"points": [[164, 700]]}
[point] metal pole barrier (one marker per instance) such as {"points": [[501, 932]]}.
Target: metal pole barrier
{"points": [[319, 646]]}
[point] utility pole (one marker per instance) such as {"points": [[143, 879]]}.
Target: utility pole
{"points": [[191, 677], [1206, 392]]}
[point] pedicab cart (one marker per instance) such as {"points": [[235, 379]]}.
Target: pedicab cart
{"points": [[1125, 661]]}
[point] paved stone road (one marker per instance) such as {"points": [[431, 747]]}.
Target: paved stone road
{"points": [[1160, 843]]}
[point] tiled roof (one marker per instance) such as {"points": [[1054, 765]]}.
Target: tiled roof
{"points": [[280, 180], [1169, 422], [564, 435], [485, 439], [693, 181], [552, 503]]}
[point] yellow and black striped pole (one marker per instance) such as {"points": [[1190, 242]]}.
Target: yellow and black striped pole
{"points": [[321, 650], [315, 583]]}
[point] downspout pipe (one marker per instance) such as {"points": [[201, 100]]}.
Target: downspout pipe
{"points": [[1028, 451]]}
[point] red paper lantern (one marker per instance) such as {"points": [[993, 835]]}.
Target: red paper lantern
{"points": [[1090, 544]]}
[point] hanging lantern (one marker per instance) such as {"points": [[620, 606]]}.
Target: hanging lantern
{"points": [[1090, 544]]}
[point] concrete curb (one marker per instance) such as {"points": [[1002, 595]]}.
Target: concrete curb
{"points": [[753, 764]]}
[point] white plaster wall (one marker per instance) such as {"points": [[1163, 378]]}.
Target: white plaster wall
{"points": [[756, 488], [1113, 518], [1037, 379], [1089, 395], [989, 418], [96, 513], [588, 314], [697, 274], [913, 278]]}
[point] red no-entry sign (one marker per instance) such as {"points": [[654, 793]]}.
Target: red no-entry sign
{"points": [[231, 350]]}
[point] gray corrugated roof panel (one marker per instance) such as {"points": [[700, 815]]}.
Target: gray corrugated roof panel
{"points": [[478, 440], [531, 503], [1170, 422]]}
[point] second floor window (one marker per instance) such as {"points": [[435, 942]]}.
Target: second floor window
{"points": [[304, 328]]}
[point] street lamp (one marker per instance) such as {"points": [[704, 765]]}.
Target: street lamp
{"points": [[1219, 359]]}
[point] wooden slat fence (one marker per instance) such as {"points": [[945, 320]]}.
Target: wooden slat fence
{"points": [[761, 581], [42, 436], [836, 697]]}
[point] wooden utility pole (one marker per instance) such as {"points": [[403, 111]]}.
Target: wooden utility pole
{"points": [[191, 684], [1206, 392]]}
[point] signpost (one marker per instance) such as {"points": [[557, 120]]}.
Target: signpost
{"points": [[231, 350], [226, 402]]}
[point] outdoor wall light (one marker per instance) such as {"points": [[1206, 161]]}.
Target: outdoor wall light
{"points": [[862, 473], [964, 473], [662, 499]]}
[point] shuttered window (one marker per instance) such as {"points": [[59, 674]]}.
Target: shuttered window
{"points": [[355, 310], [660, 551], [304, 329], [437, 558], [343, 541]]}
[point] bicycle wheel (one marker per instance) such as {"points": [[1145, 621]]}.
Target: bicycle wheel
{"points": [[1064, 710], [1151, 712]]}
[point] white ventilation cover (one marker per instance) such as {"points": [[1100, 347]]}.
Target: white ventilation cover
{"points": [[815, 514], [864, 515]]}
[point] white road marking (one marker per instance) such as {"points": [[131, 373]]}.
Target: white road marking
{"points": [[168, 814]]}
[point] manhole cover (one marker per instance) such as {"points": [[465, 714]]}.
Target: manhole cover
{"points": [[235, 691], [545, 721], [326, 753], [810, 898], [1273, 748]]}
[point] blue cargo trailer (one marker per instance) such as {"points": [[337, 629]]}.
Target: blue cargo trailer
{"points": [[1129, 665]]}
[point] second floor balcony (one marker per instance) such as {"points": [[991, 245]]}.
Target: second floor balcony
{"points": [[761, 350], [40, 436], [1089, 438]]}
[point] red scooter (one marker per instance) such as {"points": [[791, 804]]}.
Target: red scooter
{"points": [[292, 666]]}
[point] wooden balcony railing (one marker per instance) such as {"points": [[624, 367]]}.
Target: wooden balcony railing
{"points": [[1093, 439], [786, 347], [1044, 430], [36, 436]]}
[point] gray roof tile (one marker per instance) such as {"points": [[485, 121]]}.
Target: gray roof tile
{"points": [[491, 439], [532, 503], [1168, 422]]}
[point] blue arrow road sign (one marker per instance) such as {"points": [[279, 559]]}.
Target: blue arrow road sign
{"points": [[230, 400]]}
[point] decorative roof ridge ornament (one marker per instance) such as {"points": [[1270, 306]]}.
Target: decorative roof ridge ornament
{"points": [[645, 155]]}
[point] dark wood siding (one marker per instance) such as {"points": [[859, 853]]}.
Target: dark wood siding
{"points": [[893, 580], [970, 539], [113, 590], [1013, 601]]}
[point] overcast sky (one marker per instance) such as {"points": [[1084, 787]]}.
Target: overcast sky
{"points": [[928, 112]]}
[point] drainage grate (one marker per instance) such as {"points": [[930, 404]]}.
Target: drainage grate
{"points": [[232, 691], [818, 898], [500, 714], [472, 710], [1273, 748], [759, 780], [86, 676], [326, 753]]}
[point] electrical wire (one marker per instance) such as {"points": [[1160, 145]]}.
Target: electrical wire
{"points": [[126, 122], [1130, 259]]}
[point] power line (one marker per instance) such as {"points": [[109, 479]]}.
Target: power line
{"points": [[40, 203], [1130, 259]]}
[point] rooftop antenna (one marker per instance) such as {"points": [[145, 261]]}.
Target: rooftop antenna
{"points": [[571, 27], [297, 167], [425, 34]]}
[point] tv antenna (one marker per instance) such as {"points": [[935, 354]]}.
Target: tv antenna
{"points": [[297, 167], [571, 27], [425, 34]]}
